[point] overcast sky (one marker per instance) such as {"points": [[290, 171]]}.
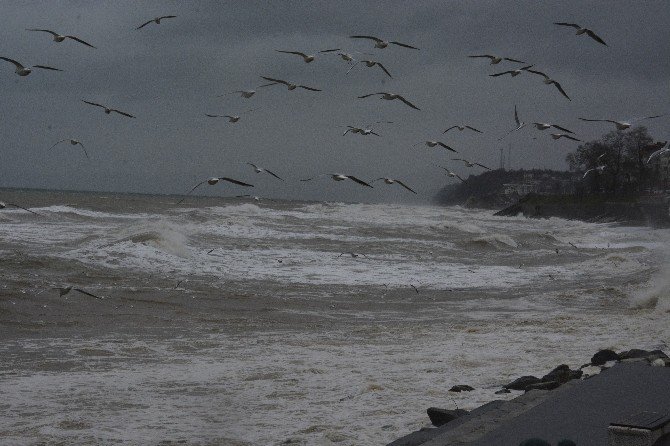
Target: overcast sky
{"points": [[169, 75]]}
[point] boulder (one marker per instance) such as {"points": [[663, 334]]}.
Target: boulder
{"points": [[603, 356], [442, 416], [637, 353], [562, 374], [461, 388], [503, 390], [522, 383], [544, 385]]}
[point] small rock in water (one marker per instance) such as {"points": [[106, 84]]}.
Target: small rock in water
{"points": [[461, 388], [442, 416], [603, 356], [502, 391], [522, 383]]}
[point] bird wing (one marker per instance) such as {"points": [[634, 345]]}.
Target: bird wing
{"points": [[278, 81], [44, 67], [460, 159], [569, 137], [500, 74], [650, 117], [561, 128], [368, 95], [405, 186], [516, 116], [441, 144], [18, 65], [167, 17], [536, 72], [408, 103], [385, 70], [80, 41], [573, 25], [597, 120], [86, 292], [252, 165], [587, 172], [21, 207], [189, 192], [458, 176], [352, 66], [93, 103], [308, 88], [144, 24], [274, 174], [514, 60], [656, 154], [43, 30], [481, 165], [473, 129], [353, 178], [238, 182], [57, 143], [484, 55], [453, 126], [595, 37], [213, 116], [561, 90], [404, 44], [376, 39], [330, 51], [122, 113], [348, 130], [84, 149], [292, 52], [373, 133]]}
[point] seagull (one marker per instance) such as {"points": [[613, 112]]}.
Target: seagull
{"points": [[307, 57], [340, 177], [563, 135], [598, 168], [362, 131], [621, 125], [243, 93], [63, 291], [25, 71], [496, 60], [550, 81], [390, 97], [157, 20], [3, 205], [74, 142], [470, 163], [379, 43], [546, 125], [262, 169], [233, 118], [660, 152], [370, 64], [353, 254], [516, 72], [60, 37], [288, 84], [438, 143], [109, 110], [212, 181], [451, 174], [519, 124], [581, 30], [392, 180], [462, 127]]}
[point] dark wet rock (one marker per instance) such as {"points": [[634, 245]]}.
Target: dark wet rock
{"points": [[603, 356], [462, 388], [501, 391], [562, 374], [637, 353], [544, 385], [442, 416], [522, 383]]}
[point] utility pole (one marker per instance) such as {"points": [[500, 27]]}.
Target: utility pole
{"points": [[502, 158]]}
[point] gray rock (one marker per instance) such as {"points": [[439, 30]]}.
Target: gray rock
{"points": [[522, 383], [603, 356], [562, 374], [502, 391], [442, 416], [462, 388]]}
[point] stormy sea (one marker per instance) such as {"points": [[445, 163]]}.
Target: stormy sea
{"points": [[232, 321]]}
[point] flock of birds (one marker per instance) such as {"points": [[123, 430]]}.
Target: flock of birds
{"points": [[354, 61]]}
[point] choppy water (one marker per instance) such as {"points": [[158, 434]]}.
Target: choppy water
{"points": [[227, 321]]}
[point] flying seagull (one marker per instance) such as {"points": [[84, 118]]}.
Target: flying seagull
{"points": [[660, 152], [370, 64], [231, 118], [288, 84], [519, 124], [307, 57], [496, 60], [546, 125], [451, 174], [438, 143], [340, 177], [212, 182], [157, 20], [60, 37], [390, 97], [243, 93], [471, 164], [621, 125], [581, 30], [262, 169], [393, 180], [379, 43], [109, 110], [362, 131], [462, 127], [25, 71], [513, 73], [74, 142], [595, 169], [3, 205], [549, 81], [564, 135], [62, 291]]}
